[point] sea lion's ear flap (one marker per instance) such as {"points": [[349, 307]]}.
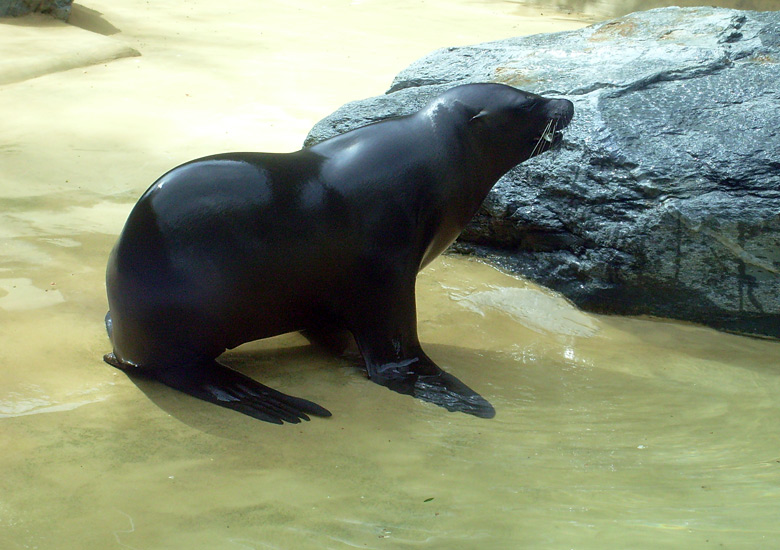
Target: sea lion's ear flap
{"points": [[482, 114]]}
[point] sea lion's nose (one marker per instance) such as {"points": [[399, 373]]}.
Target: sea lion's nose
{"points": [[561, 110]]}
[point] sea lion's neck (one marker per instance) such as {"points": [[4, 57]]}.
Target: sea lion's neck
{"points": [[468, 168]]}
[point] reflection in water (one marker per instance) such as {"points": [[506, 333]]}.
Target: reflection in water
{"points": [[538, 310], [22, 294], [610, 432]]}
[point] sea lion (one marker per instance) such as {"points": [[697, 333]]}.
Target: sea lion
{"points": [[327, 240]]}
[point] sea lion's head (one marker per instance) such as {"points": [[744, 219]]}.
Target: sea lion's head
{"points": [[503, 123]]}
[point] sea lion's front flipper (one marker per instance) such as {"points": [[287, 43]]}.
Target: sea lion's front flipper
{"points": [[227, 388], [447, 391], [387, 338], [439, 388]]}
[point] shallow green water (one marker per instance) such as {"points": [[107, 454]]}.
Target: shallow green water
{"points": [[610, 432]]}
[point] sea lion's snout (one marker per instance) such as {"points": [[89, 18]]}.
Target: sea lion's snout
{"points": [[558, 114], [561, 111]]}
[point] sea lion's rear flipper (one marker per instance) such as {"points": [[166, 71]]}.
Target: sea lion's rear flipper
{"points": [[227, 388]]}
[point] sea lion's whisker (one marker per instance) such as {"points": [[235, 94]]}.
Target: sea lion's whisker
{"points": [[538, 144], [551, 134], [539, 147]]}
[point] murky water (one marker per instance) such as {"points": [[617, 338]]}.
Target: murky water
{"points": [[610, 432]]}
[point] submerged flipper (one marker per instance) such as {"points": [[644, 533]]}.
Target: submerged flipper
{"points": [[447, 391], [386, 335], [442, 389], [227, 388]]}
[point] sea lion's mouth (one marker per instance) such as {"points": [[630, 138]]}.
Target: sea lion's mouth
{"points": [[551, 136]]}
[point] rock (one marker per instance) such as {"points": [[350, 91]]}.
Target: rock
{"points": [[665, 197], [14, 8]]}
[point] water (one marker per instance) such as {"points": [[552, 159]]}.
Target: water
{"points": [[610, 432], [604, 9]]}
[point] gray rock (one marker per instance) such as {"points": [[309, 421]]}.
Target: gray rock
{"points": [[15, 8], [665, 198]]}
